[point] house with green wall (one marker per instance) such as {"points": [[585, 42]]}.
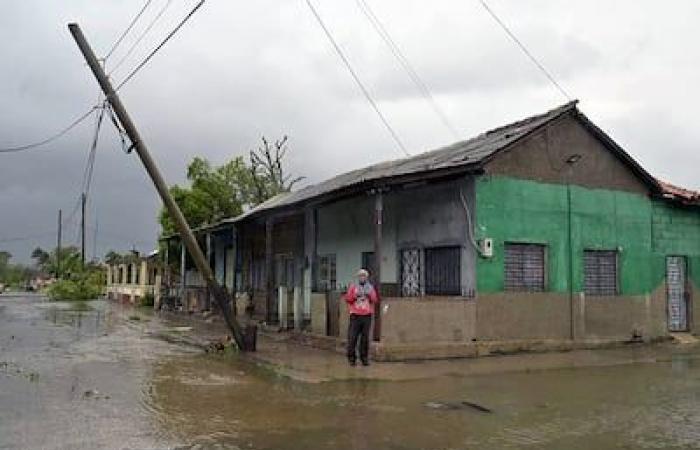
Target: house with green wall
{"points": [[543, 233]]}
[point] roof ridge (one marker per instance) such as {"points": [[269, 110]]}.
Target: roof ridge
{"points": [[555, 111]]}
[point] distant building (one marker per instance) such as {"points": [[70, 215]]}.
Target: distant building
{"points": [[134, 279], [542, 231]]}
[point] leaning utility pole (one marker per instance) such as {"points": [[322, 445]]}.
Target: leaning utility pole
{"points": [[58, 245], [82, 229], [186, 234]]}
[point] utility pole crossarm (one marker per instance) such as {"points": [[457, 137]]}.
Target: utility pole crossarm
{"points": [[183, 228]]}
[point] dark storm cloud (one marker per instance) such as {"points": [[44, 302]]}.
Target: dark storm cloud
{"points": [[238, 71]]}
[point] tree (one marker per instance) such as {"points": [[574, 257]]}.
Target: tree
{"points": [[40, 256], [113, 257], [70, 261], [216, 193], [267, 173], [13, 274]]}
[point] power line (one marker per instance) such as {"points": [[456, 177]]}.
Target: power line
{"points": [[51, 138], [357, 79], [27, 238], [406, 64], [141, 36], [90, 165], [524, 49], [155, 50], [131, 25]]}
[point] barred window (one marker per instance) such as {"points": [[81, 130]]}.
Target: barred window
{"points": [[524, 267], [442, 271], [326, 273], [600, 272]]}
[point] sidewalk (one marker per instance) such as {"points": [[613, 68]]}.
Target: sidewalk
{"points": [[279, 352]]}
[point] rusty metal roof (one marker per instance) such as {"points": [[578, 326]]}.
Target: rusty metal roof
{"points": [[471, 152], [674, 192]]}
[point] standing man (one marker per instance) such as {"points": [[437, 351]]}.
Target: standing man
{"points": [[361, 298]]}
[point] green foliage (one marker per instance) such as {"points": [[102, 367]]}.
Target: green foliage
{"points": [[67, 264], [216, 193], [15, 275], [84, 285]]}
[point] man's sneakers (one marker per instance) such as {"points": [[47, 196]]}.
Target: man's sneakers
{"points": [[365, 362]]}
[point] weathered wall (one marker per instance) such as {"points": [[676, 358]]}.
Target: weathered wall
{"points": [[428, 320], [676, 232], [420, 216], [522, 315], [543, 155], [622, 318], [514, 210]]}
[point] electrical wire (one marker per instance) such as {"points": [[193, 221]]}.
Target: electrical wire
{"points": [[27, 238], [52, 138], [141, 36], [163, 42], [524, 49], [131, 25], [406, 65], [354, 75], [90, 165], [470, 225]]}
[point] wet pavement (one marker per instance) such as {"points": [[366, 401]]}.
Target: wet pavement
{"points": [[90, 376]]}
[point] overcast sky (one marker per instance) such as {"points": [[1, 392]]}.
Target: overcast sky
{"points": [[240, 70]]}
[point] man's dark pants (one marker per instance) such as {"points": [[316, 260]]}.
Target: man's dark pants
{"points": [[358, 328]]}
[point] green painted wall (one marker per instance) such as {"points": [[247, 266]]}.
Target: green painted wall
{"points": [[509, 209], [676, 231]]}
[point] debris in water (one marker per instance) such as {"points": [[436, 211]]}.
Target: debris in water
{"points": [[452, 406], [478, 407], [219, 345], [94, 393]]}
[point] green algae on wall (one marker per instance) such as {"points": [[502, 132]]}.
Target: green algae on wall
{"points": [[516, 210]]}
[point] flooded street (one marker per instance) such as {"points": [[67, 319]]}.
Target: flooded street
{"points": [[88, 376]]}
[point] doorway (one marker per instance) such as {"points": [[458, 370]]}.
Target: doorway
{"points": [[677, 295]]}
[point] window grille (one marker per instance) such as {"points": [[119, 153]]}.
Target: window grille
{"points": [[524, 267], [600, 272]]}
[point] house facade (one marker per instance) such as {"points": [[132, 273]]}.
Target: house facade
{"points": [[543, 232], [134, 279]]}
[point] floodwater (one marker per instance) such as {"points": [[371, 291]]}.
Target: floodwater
{"points": [[90, 376]]}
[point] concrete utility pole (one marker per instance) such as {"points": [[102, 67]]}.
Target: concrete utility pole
{"points": [[58, 245], [82, 229], [186, 234]]}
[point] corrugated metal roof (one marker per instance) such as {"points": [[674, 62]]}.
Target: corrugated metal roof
{"points": [[464, 153]]}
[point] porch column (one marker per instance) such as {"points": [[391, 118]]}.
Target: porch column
{"points": [[378, 215], [207, 305], [143, 275], [183, 278], [269, 269], [234, 270], [166, 269], [310, 258]]}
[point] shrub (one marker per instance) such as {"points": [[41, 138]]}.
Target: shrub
{"points": [[86, 285]]}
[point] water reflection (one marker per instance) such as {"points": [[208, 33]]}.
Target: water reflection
{"points": [[168, 397]]}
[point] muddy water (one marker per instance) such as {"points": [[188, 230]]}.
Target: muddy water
{"points": [[89, 377]]}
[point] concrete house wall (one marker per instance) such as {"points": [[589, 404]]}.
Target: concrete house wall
{"points": [[530, 194], [565, 186], [424, 215]]}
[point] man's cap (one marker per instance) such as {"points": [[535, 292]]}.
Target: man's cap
{"points": [[362, 272]]}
